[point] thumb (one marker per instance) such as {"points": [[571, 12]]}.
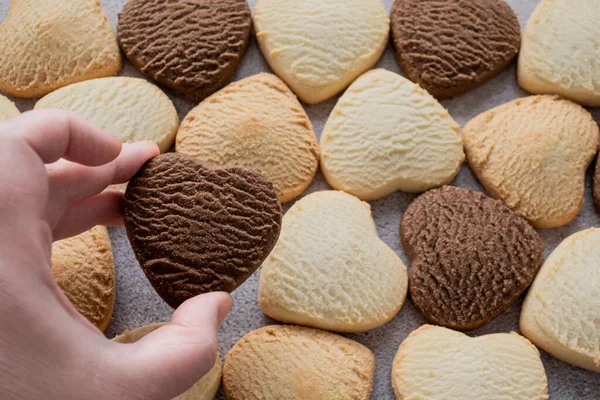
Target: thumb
{"points": [[169, 360]]}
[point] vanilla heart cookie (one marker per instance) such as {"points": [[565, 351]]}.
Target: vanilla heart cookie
{"points": [[559, 54], [205, 389], [84, 268], [532, 154], [561, 313], [329, 268], [293, 362], [450, 47], [438, 363], [255, 123], [131, 109], [387, 134], [7, 109], [195, 229], [319, 47], [471, 256], [47, 44]]}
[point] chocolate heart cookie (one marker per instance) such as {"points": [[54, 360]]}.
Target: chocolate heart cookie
{"points": [[195, 229], [471, 256]]}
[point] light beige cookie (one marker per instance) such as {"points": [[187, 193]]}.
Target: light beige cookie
{"points": [[561, 313], [532, 154], [293, 362], [438, 363], [256, 123], [7, 109], [387, 134], [205, 389], [84, 269], [131, 109], [319, 47], [330, 270], [559, 52], [47, 44]]}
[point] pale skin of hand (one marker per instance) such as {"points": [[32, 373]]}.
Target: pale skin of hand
{"points": [[47, 349]]}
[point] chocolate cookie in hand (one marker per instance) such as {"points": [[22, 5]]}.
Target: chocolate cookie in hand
{"points": [[195, 229], [450, 47], [471, 256]]}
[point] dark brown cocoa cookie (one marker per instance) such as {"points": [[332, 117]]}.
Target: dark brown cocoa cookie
{"points": [[195, 229], [471, 256], [596, 185], [450, 47], [191, 46]]}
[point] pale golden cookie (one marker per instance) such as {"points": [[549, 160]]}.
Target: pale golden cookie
{"points": [[436, 363], [256, 123], [532, 153], [7, 109], [83, 267], [293, 362], [205, 389], [47, 44], [131, 109]]}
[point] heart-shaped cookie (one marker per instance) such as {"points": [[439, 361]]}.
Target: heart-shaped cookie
{"points": [[439, 363], [561, 313], [319, 47], [195, 229], [329, 268], [47, 44], [471, 256]]}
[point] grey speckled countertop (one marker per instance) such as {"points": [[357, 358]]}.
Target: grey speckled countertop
{"points": [[137, 303]]}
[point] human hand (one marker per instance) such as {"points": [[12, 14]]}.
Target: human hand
{"points": [[54, 167]]}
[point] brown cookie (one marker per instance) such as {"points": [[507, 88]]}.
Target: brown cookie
{"points": [[471, 256], [195, 229], [596, 191], [450, 47], [191, 46]]}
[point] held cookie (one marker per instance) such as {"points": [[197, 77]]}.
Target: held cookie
{"points": [[7, 109], [559, 54], [84, 269], [471, 256], [562, 309], [193, 47], [387, 134], [293, 362], [450, 47], [205, 389], [532, 154], [439, 363], [319, 47], [47, 44], [131, 109], [195, 229], [329, 268], [255, 123]]}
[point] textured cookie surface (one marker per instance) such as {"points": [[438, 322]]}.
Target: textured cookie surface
{"points": [[131, 109], [471, 256], [7, 109], [47, 44], [205, 389], [255, 123], [329, 268], [438, 363], [195, 229], [560, 51], [193, 47], [293, 362], [449, 47], [532, 154], [561, 313], [319, 47], [387, 134], [84, 269]]}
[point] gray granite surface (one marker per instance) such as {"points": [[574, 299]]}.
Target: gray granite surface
{"points": [[137, 303]]}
